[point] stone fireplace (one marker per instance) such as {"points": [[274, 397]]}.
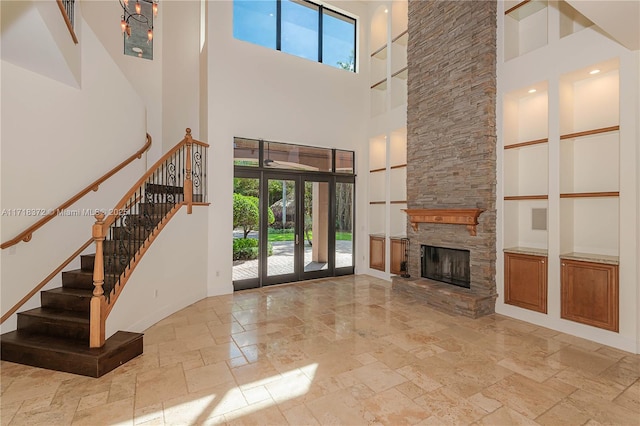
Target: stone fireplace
{"points": [[451, 148], [446, 265]]}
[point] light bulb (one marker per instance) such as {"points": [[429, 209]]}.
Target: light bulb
{"points": [[128, 31], [138, 7], [126, 2], [155, 9], [150, 35], [123, 24]]}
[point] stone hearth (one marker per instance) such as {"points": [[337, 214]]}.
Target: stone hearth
{"points": [[446, 297]]}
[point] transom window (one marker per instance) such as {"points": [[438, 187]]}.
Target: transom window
{"points": [[298, 27]]}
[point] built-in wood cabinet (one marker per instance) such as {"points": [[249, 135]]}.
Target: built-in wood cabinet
{"points": [[377, 251], [397, 249], [590, 293], [525, 281]]}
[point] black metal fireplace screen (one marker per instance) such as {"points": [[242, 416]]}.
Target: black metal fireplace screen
{"points": [[446, 265]]}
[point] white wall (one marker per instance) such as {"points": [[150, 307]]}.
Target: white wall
{"points": [[258, 92], [35, 37], [180, 70], [144, 76], [56, 140], [153, 293], [169, 85]]}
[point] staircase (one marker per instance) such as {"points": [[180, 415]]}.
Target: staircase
{"points": [[62, 333]]}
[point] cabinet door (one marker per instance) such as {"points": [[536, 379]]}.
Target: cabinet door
{"points": [[525, 281], [376, 252], [397, 256], [590, 293]]}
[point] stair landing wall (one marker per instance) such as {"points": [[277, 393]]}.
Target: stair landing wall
{"points": [[57, 139]]}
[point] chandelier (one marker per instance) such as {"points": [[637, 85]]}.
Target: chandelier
{"points": [[138, 16]]}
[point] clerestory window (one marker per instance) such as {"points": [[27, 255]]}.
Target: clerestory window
{"points": [[298, 27]]}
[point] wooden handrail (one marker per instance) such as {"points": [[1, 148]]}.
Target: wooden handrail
{"points": [[45, 281], [67, 21], [103, 300], [123, 202], [28, 233]]}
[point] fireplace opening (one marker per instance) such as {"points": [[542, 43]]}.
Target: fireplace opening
{"points": [[446, 265]]}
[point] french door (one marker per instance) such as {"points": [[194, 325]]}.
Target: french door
{"points": [[295, 210], [294, 237]]}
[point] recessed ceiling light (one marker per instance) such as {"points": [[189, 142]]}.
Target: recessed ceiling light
{"points": [[386, 11], [593, 72], [532, 90]]}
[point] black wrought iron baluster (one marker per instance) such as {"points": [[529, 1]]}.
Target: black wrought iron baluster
{"points": [[145, 219], [180, 168], [172, 202], [163, 176], [68, 8], [204, 171], [154, 199], [195, 179], [107, 262], [132, 238], [180, 156], [139, 207], [166, 167], [144, 214], [124, 247], [174, 161]]}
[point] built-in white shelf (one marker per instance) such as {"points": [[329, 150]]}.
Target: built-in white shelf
{"points": [[388, 152], [526, 27], [571, 21], [590, 160], [526, 167]]}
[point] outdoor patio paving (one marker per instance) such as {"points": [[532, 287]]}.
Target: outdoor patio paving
{"points": [[281, 262]]}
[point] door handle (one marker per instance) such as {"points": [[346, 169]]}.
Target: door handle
{"points": [[296, 239]]}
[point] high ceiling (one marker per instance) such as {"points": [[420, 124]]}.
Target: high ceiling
{"points": [[618, 18]]}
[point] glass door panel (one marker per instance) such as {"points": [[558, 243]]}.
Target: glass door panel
{"points": [[282, 232], [316, 226], [246, 233], [344, 225]]}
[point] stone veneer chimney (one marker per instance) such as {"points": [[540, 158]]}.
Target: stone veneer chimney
{"points": [[451, 136]]}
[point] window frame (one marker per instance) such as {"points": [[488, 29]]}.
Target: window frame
{"points": [[320, 10]]}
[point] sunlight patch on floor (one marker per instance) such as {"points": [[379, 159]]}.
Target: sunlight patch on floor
{"points": [[288, 385]]}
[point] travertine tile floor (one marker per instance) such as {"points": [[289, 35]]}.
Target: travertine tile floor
{"points": [[337, 351]]}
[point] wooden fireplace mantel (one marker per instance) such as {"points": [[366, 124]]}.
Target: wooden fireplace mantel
{"points": [[467, 217]]}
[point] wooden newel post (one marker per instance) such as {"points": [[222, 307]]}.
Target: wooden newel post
{"points": [[188, 182], [97, 320]]}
